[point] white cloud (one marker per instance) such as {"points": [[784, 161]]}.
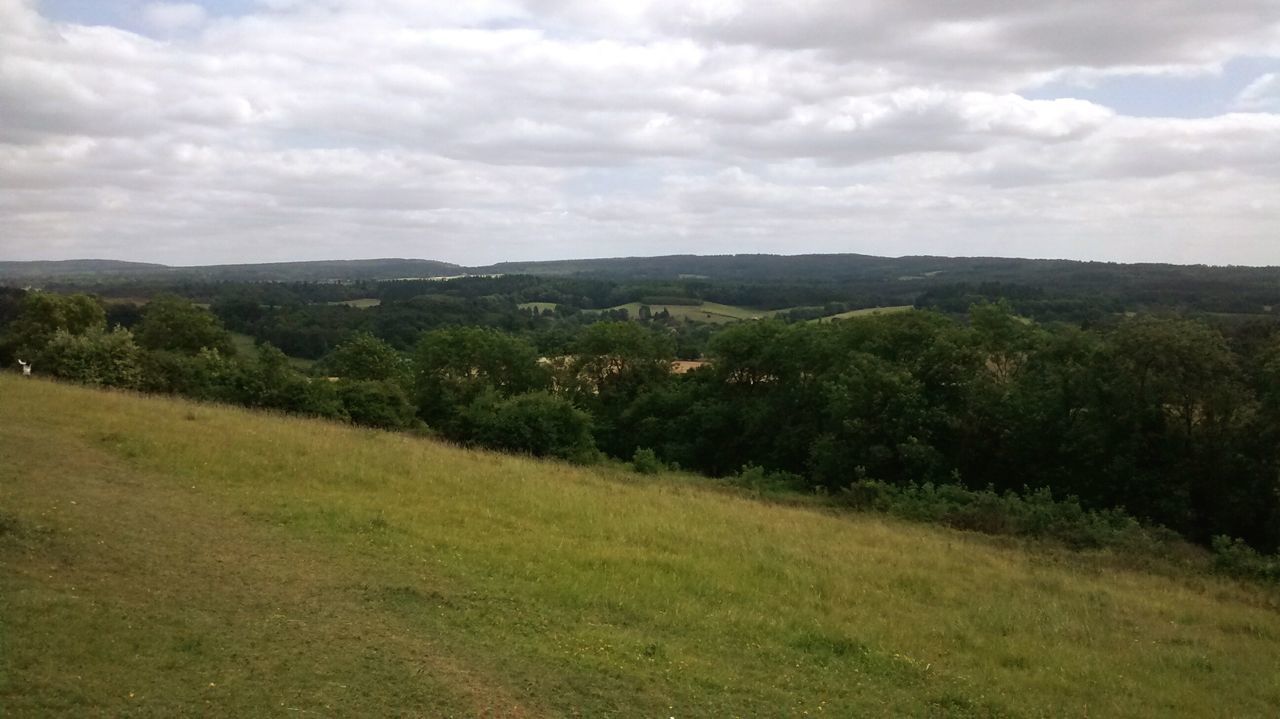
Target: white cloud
{"points": [[478, 132]]}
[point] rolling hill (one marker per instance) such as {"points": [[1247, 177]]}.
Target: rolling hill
{"points": [[317, 271], [160, 558]]}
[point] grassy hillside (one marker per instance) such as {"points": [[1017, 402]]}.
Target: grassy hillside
{"points": [[162, 558], [246, 346], [709, 312], [864, 313], [539, 306]]}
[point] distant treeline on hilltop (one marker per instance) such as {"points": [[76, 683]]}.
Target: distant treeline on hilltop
{"points": [[1175, 419]]}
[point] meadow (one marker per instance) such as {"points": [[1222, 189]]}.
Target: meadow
{"points": [[708, 312], [865, 312], [539, 306], [362, 303], [247, 347], [160, 557], [719, 314]]}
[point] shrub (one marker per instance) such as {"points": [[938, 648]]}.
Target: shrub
{"points": [[365, 357], [763, 481], [175, 324], [377, 404], [536, 423], [271, 383], [1033, 513], [645, 461], [206, 376], [105, 359], [1234, 557]]}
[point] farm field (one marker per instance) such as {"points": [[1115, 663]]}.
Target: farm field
{"points": [[715, 313], [362, 303], [709, 312], [160, 557], [865, 312], [539, 306], [246, 346]]}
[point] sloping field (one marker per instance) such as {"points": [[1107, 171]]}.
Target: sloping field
{"points": [[709, 312], [539, 306], [246, 346], [362, 303], [865, 312], [160, 558]]}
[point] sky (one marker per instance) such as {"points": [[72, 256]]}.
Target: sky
{"points": [[479, 131]]}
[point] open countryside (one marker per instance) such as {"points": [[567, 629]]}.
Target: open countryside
{"points": [[597, 360]]}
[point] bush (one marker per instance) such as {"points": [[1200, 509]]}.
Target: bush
{"points": [[763, 481], [207, 376], [364, 357], [1033, 513], [98, 358], [271, 383], [377, 404], [1234, 557], [536, 423], [175, 324], [645, 461]]}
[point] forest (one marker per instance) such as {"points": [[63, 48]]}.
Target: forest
{"points": [[1152, 404]]}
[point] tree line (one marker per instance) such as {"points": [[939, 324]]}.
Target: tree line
{"points": [[1166, 417]]}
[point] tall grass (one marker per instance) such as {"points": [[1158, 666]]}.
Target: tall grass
{"points": [[161, 557]]}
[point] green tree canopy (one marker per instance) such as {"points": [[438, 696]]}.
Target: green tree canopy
{"points": [[94, 357], [364, 357], [178, 325], [453, 366], [44, 314]]}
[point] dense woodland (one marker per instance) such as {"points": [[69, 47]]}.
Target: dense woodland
{"points": [[1159, 394]]}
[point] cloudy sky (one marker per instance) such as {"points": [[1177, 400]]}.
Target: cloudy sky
{"points": [[476, 131]]}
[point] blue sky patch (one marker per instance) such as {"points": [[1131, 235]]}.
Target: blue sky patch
{"points": [[1166, 96]]}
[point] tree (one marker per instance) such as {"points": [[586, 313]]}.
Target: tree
{"points": [[175, 324], [1168, 421], [44, 314], [364, 357], [271, 382], [612, 354], [94, 357], [375, 403], [613, 364], [537, 423], [877, 426], [452, 367]]}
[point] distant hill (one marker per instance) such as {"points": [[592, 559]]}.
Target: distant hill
{"points": [[71, 268], [317, 271], [889, 281], [322, 270], [845, 267], [873, 281]]}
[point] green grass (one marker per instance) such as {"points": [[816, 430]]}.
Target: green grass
{"points": [[246, 347], [865, 312], [707, 312], [362, 303], [163, 558], [539, 306], [244, 344]]}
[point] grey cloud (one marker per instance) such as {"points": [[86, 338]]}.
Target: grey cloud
{"points": [[478, 132]]}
